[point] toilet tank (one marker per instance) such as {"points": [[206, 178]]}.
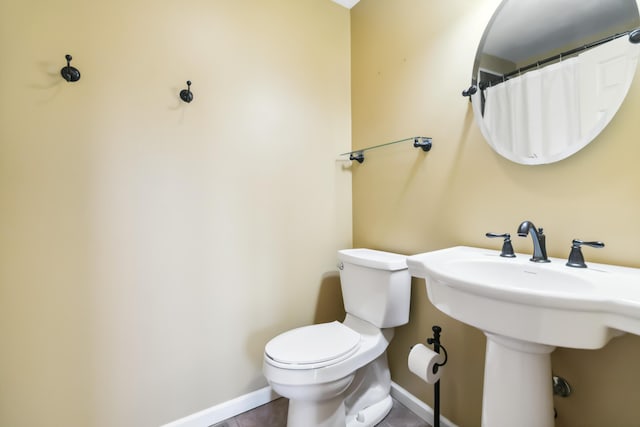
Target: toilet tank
{"points": [[376, 286]]}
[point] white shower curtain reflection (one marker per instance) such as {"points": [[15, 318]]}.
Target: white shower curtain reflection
{"points": [[548, 114], [523, 124]]}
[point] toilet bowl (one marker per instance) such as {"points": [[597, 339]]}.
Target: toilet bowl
{"points": [[336, 374]]}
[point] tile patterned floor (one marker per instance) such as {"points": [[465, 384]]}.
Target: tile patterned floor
{"points": [[274, 414]]}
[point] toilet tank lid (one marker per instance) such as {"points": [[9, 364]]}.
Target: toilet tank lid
{"points": [[373, 259]]}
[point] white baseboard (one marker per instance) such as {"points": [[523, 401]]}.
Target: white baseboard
{"points": [[417, 406], [237, 406], [228, 409]]}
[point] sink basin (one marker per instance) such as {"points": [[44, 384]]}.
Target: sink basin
{"points": [[527, 309], [546, 303]]}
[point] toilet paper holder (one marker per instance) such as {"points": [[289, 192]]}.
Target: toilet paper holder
{"points": [[435, 341], [425, 364]]}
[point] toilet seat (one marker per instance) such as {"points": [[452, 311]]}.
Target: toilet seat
{"points": [[313, 346]]}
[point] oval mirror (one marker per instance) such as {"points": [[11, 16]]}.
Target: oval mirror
{"points": [[549, 75]]}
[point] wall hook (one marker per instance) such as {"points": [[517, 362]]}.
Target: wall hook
{"points": [[185, 94], [69, 73]]}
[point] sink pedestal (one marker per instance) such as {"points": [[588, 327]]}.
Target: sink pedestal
{"points": [[526, 309], [518, 389]]}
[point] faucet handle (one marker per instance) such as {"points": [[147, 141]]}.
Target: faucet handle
{"points": [[507, 248], [575, 256]]}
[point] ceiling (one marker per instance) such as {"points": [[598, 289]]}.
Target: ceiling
{"points": [[346, 3]]}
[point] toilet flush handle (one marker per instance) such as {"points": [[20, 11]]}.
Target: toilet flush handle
{"points": [[340, 266]]}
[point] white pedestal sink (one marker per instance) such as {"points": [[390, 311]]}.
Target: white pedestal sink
{"points": [[527, 309]]}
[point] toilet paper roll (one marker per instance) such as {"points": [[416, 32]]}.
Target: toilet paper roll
{"points": [[422, 360]]}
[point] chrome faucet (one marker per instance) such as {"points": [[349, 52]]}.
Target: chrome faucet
{"points": [[539, 241]]}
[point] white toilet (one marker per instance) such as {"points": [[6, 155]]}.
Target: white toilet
{"points": [[336, 374]]}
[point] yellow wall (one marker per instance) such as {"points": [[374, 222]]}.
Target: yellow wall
{"points": [[149, 248], [410, 61]]}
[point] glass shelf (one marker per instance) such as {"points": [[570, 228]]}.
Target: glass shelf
{"points": [[423, 142]]}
